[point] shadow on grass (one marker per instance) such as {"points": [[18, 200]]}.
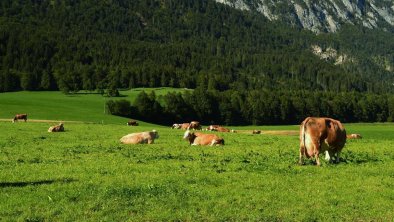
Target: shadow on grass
{"points": [[35, 183]]}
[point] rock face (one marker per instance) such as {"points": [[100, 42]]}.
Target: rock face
{"points": [[323, 16]]}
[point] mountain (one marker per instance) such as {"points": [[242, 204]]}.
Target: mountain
{"points": [[323, 16], [96, 45]]}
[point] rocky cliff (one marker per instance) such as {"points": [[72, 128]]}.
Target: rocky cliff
{"points": [[323, 16]]}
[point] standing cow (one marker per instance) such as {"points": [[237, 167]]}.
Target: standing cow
{"points": [[140, 138], [195, 138], [318, 135], [57, 128], [19, 116]]}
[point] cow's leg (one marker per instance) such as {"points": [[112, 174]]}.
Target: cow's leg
{"points": [[302, 151], [337, 157], [316, 152]]}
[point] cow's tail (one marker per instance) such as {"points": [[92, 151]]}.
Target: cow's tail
{"points": [[303, 132]]}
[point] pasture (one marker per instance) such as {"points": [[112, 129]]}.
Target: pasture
{"points": [[85, 107], [85, 174]]}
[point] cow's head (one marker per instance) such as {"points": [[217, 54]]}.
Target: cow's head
{"points": [[155, 134], [189, 136]]}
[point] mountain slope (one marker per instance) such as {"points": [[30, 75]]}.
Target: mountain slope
{"points": [[179, 43], [323, 16]]}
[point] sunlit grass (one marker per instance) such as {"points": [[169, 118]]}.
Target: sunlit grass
{"points": [[85, 174]]}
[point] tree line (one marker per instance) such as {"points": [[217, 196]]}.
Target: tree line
{"points": [[255, 107]]}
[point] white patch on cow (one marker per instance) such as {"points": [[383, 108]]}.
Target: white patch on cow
{"points": [[327, 156], [186, 135], [213, 142]]}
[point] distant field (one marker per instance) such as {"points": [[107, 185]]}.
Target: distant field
{"points": [[85, 174], [76, 107]]}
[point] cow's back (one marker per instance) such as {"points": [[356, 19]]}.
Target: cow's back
{"points": [[205, 139]]}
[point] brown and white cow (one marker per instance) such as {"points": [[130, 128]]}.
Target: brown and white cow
{"points": [[218, 128], [318, 135], [132, 123], [212, 128], [140, 138], [256, 132], [57, 128], [180, 126], [196, 138], [354, 136], [194, 125], [19, 116]]}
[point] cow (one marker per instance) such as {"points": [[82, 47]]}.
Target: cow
{"points": [[57, 128], [256, 132], [185, 126], [177, 126], [19, 116], [318, 135], [212, 128], [140, 138], [354, 136], [194, 125], [132, 123], [195, 138]]}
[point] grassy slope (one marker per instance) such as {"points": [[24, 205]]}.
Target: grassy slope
{"points": [[57, 106], [84, 174]]}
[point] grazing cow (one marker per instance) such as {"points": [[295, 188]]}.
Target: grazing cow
{"points": [[256, 132], [318, 135], [140, 138], [20, 116], [132, 123], [194, 125], [57, 128], [202, 139], [354, 136]]}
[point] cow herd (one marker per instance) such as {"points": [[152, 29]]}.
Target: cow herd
{"points": [[317, 135]]}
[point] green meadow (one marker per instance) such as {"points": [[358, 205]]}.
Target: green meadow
{"points": [[85, 174], [85, 107]]}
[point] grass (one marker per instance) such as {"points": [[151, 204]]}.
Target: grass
{"points": [[74, 107], [85, 174]]}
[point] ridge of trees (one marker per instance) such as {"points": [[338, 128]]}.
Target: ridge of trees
{"points": [[255, 107]]}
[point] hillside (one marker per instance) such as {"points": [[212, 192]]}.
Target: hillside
{"points": [[323, 16], [95, 45]]}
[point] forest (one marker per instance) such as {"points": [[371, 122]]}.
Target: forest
{"points": [[253, 70]]}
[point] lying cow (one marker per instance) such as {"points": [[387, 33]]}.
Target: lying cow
{"points": [[354, 136], [256, 132], [140, 138], [318, 135], [132, 123], [178, 126], [57, 128], [194, 125], [217, 128], [19, 116], [202, 139], [212, 128]]}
